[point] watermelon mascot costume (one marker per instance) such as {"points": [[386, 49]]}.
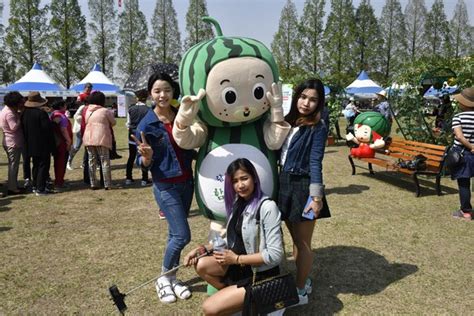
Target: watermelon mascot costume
{"points": [[369, 130], [232, 108]]}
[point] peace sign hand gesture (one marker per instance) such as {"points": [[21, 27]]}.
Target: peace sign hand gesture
{"points": [[144, 149]]}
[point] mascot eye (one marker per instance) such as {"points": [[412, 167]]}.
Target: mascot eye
{"points": [[259, 91], [229, 95]]}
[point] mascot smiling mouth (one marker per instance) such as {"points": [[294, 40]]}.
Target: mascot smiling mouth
{"points": [[246, 112]]}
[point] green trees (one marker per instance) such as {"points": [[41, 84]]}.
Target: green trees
{"points": [[311, 30], [462, 35], [285, 45], [339, 41], [436, 31], [415, 15], [133, 35], [197, 29], [394, 45], [165, 38], [67, 39], [368, 42], [26, 34], [104, 28]]}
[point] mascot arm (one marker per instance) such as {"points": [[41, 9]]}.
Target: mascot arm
{"points": [[379, 143], [189, 108], [351, 138], [275, 133], [190, 137]]}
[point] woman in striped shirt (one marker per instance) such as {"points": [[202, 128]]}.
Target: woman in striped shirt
{"points": [[463, 128]]}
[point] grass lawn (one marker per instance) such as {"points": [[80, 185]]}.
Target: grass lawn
{"points": [[384, 251]]}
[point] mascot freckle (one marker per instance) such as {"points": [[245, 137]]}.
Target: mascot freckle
{"points": [[232, 108]]}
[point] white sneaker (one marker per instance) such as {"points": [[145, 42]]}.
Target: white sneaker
{"points": [[180, 290], [165, 291], [69, 167], [129, 181], [303, 299], [308, 286], [278, 312]]}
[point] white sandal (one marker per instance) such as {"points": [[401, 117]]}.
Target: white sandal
{"points": [[165, 291], [180, 290]]}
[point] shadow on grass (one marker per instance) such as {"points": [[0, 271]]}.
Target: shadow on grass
{"points": [[8, 200], [4, 229], [350, 270], [427, 185], [351, 189]]}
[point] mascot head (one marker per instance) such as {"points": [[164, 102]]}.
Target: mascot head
{"points": [[370, 126], [236, 73]]}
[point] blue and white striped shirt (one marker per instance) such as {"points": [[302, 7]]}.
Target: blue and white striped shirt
{"points": [[465, 120]]}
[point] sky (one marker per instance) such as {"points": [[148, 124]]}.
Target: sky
{"points": [[256, 19]]}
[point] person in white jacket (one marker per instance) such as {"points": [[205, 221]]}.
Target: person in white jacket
{"points": [[76, 130]]}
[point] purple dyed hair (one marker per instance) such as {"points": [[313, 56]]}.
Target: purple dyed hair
{"points": [[229, 192]]}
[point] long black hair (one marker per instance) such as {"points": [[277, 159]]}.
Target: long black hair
{"points": [[165, 77], [294, 117]]}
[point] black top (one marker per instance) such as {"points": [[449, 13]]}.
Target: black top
{"points": [[234, 232], [38, 132], [136, 113]]}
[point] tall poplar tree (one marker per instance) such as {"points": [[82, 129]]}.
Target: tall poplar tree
{"points": [[415, 17], [339, 41], [368, 40], [133, 38], [165, 39], [104, 28], [462, 36], [285, 45], [26, 34], [196, 29], [68, 45], [311, 30], [394, 45], [436, 30]]}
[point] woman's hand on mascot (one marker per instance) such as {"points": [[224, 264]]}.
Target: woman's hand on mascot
{"points": [[276, 103], [188, 109], [144, 149]]}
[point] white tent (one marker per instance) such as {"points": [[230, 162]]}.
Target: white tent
{"points": [[38, 80], [99, 82], [363, 87]]}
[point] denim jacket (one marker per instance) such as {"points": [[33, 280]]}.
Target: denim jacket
{"points": [[271, 245], [305, 155], [165, 164]]}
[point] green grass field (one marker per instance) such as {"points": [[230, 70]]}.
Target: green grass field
{"points": [[384, 251]]}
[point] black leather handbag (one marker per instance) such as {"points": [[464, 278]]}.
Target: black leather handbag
{"points": [[273, 293], [454, 158]]}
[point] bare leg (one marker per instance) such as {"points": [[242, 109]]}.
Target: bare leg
{"points": [[301, 233], [211, 271], [226, 301]]}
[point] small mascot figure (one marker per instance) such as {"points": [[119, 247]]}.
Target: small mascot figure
{"points": [[369, 130]]}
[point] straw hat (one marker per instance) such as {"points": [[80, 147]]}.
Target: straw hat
{"points": [[466, 97], [35, 100], [382, 93]]}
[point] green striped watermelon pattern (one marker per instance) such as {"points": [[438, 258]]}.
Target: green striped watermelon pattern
{"points": [[377, 122]]}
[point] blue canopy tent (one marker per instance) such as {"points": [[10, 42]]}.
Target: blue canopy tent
{"points": [[363, 87], [433, 93], [37, 80], [99, 82]]}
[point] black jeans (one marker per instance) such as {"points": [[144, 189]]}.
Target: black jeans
{"points": [[41, 166], [132, 155], [464, 185]]}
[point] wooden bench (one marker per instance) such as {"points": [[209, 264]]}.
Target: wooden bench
{"points": [[396, 149]]}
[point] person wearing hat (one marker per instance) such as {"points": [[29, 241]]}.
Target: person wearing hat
{"points": [[463, 129], [350, 111], [39, 139], [12, 137], [87, 91], [383, 107]]}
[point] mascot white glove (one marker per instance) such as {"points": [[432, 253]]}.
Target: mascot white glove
{"points": [[189, 108], [276, 103]]}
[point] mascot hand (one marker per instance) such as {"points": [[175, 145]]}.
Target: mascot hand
{"points": [[379, 143], [276, 103], [189, 108], [350, 137]]}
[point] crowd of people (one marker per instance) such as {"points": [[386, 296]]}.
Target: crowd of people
{"points": [[33, 130]]}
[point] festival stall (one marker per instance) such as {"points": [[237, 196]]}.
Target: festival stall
{"points": [[363, 87]]}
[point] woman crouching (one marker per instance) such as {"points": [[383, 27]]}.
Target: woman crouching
{"points": [[230, 270]]}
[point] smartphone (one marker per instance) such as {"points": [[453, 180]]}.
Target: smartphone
{"points": [[309, 214]]}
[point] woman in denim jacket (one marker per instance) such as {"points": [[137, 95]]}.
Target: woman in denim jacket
{"points": [[229, 270], [170, 167], [301, 181]]}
